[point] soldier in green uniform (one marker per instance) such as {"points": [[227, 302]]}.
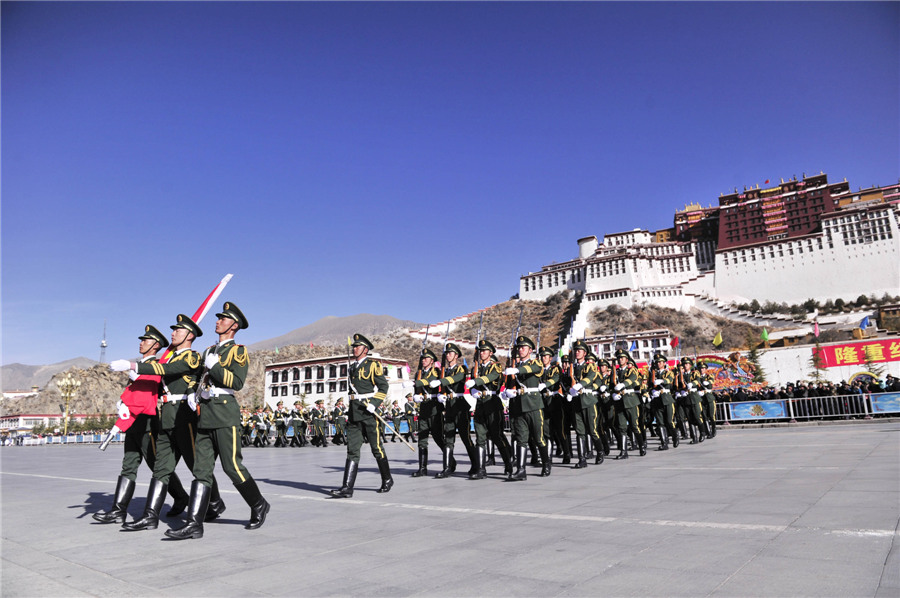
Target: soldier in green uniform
{"points": [[409, 410], [140, 437], [693, 402], [396, 417], [451, 385], [368, 386], [582, 380], [280, 417], [339, 418], [708, 399], [484, 387], [560, 414], [627, 399], [662, 404], [298, 420], [431, 411], [550, 387], [319, 424], [218, 426], [526, 407], [178, 422], [606, 406]]}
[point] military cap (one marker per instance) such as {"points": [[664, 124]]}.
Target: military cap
{"points": [[603, 362], [660, 357], [298, 402], [565, 357], [625, 354], [183, 321], [546, 351], [359, 339], [580, 344], [591, 357], [494, 359], [687, 360], [429, 353], [230, 310], [524, 341], [320, 401], [279, 403], [409, 395], [452, 347], [486, 345], [151, 333]]}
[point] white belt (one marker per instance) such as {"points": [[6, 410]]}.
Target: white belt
{"points": [[174, 398], [629, 391], [365, 397], [218, 392], [456, 395], [487, 393], [588, 392], [701, 392]]}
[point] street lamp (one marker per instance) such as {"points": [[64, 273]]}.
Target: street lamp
{"points": [[67, 388]]}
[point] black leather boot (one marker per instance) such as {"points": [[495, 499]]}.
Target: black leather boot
{"points": [[546, 463], [521, 456], [506, 456], [150, 518], [346, 489], [642, 445], [423, 464], [693, 434], [581, 448], [712, 428], [663, 439], [124, 492], [623, 447], [600, 454], [387, 482], [481, 458], [180, 497], [675, 438], [535, 455], [491, 457], [216, 504], [195, 514], [588, 447], [259, 506], [447, 470]]}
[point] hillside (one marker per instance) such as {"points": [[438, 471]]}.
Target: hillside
{"points": [[500, 321], [19, 376], [335, 330]]}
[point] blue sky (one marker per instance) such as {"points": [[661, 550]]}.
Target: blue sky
{"points": [[411, 159]]}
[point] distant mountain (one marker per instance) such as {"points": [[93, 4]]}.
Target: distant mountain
{"points": [[335, 330], [18, 376]]}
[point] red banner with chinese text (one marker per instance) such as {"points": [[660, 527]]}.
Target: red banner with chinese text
{"points": [[872, 351]]}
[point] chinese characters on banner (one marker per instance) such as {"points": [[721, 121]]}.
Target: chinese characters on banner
{"points": [[873, 351]]}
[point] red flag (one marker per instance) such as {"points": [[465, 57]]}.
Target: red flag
{"points": [[817, 329], [674, 342], [767, 182], [310, 345], [204, 307]]}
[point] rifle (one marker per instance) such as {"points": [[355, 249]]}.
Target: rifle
{"points": [[510, 360], [477, 340]]}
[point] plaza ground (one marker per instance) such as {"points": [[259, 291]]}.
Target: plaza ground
{"points": [[799, 511]]}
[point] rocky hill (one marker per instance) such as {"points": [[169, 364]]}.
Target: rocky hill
{"points": [[333, 330], [18, 376]]}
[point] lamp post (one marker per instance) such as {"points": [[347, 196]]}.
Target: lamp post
{"points": [[67, 388]]}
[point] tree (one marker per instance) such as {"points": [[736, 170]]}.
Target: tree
{"points": [[753, 355], [839, 304], [862, 300], [871, 365], [817, 361], [754, 306], [810, 305]]}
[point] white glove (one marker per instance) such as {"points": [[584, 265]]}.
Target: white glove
{"points": [[434, 383], [192, 401], [120, 365], [442, 399], [370, 407], [569, 398], [573, 392], [470, 400], [707, 383], [645, 398], [204, 394], [603, 388], [620, 386], [211, 360], [577, 387], [541, 387], [511, 392], [475, 393], [654, 394], [132, 375], [418, 398], [122, 408], [511, 371], [657, 383], [691, 386], [617, 397]]}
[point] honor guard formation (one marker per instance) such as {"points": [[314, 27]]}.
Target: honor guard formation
{"points": [[182, 406]]}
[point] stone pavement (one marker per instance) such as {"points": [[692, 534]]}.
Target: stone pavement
{"points": [[805, 511]]}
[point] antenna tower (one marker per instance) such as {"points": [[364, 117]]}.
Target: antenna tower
{"points": [[103, 345]]}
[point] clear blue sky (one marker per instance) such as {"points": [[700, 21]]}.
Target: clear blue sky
{"points": [[394, 158]]}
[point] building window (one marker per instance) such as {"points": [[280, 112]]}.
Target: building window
{"points": [[343, 370], [274, 391], [295, 389], [320, 387], [320, 372], [307, 388], [343, 386], [296, 372], [307, 374], [332, 386], [274, 376], [284, 376], [284, 391], [332, 371]]}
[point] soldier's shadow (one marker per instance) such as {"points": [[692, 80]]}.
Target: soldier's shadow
{"points": [[97, 502], [299, 485], [94, 503]]}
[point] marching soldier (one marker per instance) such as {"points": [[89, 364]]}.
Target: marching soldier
{"points": [[709, 399], [456, 409], [369, 387], [606, 406], [280, 417], [225, 365], [318, 416], [339, 417], [409, 410], [396, 418], [178, 422], [141, 424], [298, 420], [484, 387], [693, 383], [260, 425], [431, 411], [628, 399], [662, 404], [550, 388], [582, 378], [561, 414], [526, 407]]}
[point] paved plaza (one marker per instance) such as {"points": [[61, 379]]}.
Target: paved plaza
{"points": [[799, 511]]}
